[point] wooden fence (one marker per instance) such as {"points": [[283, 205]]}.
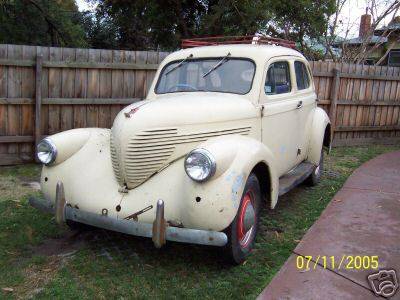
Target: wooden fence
{"points": [[363, 102], [45, 90]]}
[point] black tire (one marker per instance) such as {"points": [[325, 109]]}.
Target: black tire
{"points": [[315, 176], [240, 240]]}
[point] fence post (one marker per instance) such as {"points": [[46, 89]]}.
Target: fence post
{"points": [[38, 99], [334, 100]]}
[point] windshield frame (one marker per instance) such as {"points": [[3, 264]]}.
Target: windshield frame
{"points": [[217, 58]]}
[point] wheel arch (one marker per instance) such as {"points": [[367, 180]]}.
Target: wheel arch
{"points": [[327, 142], [242, 155], [320, 135], [263, 174]]}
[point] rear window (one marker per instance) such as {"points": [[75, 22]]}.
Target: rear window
{"points": [[302, 77], [278, 79]]}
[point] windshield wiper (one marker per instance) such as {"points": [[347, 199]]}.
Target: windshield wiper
{"points": [[222, 61], [178, 65]]}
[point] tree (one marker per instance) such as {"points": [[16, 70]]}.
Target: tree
{"points": [[232, 17], [41, 22], [301, 20], [330, 35], [153, 24]]}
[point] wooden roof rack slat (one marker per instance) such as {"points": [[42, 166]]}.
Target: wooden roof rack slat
{"points": [[229, 40]]}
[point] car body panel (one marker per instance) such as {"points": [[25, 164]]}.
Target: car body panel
{"points": [[141, 159]]}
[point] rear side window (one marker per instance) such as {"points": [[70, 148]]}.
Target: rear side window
{"points": [[302, 77], [278, 79]]}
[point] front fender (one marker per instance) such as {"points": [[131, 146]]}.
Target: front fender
{"points": [[318, 128], [69, 142], [210, 205], [87, 175], [236, 156]]}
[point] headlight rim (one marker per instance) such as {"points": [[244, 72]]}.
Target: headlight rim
{"points": [[53, 149], [206, 153]]}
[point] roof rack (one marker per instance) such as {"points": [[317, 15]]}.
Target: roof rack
{"points": [[228, 40]]}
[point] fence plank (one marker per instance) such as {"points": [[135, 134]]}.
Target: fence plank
{"points": [[67, 90], [81, 85], [14, 85], [105, 89], [334, 98], [3, 93], [140, 83], [93, 90], [45, 52], [55, 83], [38, 100]]}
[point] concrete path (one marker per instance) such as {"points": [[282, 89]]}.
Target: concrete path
{"points": [[363, 219]]}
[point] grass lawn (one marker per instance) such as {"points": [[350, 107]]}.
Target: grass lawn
{"points": [[38, 259]]}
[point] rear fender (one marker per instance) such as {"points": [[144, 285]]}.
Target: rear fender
{"points": [[320, 135]]}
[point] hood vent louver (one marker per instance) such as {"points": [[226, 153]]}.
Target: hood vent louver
{"points": [[150, 150]]}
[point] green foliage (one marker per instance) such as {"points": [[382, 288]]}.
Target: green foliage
{"points": [[227, 17], [158, 24], [151, 24], [41, 22], [298, 20]]}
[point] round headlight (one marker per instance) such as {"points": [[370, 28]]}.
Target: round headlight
{"points": [[200, 165], [46, 151]]}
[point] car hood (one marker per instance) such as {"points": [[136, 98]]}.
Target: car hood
{"points": [[189, 108]]}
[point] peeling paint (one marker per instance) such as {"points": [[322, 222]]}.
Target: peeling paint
{"points": [[236, 186]]}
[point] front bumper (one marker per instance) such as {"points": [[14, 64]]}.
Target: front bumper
{"points": [[159, 231]]}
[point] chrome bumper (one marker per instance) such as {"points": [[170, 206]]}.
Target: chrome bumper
{"points": [[159, 231]]}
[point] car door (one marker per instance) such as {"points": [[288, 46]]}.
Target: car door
{"points": [[280, 118], [306, 97]]}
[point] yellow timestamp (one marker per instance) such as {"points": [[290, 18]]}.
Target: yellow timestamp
{"points": [[348, 262]]}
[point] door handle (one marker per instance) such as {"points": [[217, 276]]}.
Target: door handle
{"points": [[299, 104]]}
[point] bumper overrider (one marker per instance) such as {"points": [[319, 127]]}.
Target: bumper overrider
{"points": [[159, 231]]}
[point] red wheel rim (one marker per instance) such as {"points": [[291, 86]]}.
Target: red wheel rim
{"points": [[247, 220]]}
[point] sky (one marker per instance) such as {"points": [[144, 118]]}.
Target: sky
{"points": [[352, 12], [350, 15]]}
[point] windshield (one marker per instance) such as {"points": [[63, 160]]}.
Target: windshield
{"points": [[222, 74]]}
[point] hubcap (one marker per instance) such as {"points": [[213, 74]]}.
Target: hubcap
{"points": [[247, 220], [316, 171]]}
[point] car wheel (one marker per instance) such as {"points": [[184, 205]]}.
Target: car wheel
{"points": [[315, 176], [243, 230]]}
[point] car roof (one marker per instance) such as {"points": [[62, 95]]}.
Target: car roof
{"points": [[257, 53]]}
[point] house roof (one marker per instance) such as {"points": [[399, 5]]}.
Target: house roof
{"points": [[391, 27], [394, 25], [375, 39]]}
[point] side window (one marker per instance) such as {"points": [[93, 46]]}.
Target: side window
{"points": [[302, 77], [278, 79]]}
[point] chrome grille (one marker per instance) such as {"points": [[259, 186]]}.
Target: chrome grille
{"points": [[149, 151], [147, 155], [114, 160]]}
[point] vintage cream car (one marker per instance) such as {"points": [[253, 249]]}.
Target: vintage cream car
{"points": [[223, 130]]}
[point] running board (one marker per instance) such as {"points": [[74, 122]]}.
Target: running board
{"points": [[294, 177]]}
